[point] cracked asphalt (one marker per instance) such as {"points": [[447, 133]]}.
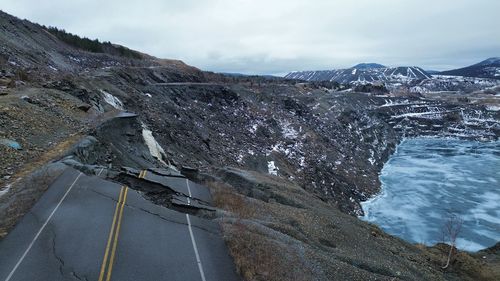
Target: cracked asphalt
{"points": [[87, 228]]}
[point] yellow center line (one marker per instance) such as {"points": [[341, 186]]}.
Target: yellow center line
{"points": [[112, 259], [110, 238], [142, 174], [113, 232]]}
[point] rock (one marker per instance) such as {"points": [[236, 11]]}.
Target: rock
{"points": [[3, 93], [17, 83], [85, 150], [5, 81], [88, 169], [27, 99], [4, 58], [84, 107], [11, 143]]}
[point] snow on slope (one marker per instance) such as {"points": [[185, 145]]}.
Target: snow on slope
{"points": [[363, 75], [112, 100]]}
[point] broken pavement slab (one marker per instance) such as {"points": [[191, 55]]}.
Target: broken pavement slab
{"points": [[177, 183], [166, 172], [185, 201], [66, 234]]}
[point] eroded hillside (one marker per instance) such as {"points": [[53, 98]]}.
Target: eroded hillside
{"points": [[288, 161]]}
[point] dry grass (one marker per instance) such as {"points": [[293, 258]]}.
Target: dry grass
{"points": [[257, 256], [226, 198], [275, 240], [463, 264]]}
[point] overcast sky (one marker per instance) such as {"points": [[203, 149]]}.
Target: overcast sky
{"points": [[270, 37]]}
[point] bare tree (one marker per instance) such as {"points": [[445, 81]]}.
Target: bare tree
{"points": [[451, 230]]}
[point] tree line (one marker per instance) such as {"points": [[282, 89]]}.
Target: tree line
{"points": [[94, 46]]}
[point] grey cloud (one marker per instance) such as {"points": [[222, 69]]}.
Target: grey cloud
{"points": [[263, 36]]}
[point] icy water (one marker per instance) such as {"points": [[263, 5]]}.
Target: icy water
{"points": [[427, 179]]}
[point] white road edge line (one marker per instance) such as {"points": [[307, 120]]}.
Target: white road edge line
{"points": [[189, 192], [102, 169], [41, 229], [200, 267]]}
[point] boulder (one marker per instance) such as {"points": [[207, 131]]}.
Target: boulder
{"points": [[5, 81], [11, 144], [84, 107]]}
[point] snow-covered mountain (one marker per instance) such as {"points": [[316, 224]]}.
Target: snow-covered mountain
{"points": [[364, 73], [489, 68]]}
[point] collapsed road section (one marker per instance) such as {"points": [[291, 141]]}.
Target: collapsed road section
{"points": [[89, 228]]}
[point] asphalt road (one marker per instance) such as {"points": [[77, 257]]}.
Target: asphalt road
{"points": [[178, 184], [87, 228]]}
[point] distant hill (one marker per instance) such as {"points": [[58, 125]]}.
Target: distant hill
{"points": [[432, 71], [364, 73], [489, 68], [368, 66]]}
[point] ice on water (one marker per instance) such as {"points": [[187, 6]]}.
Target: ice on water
{"points": [[427, 179]]}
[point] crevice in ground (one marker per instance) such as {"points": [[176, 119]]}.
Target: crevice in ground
{"points": [[162, 196]]}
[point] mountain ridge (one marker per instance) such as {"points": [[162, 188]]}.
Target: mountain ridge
{"points": [[488, 68], [365, 65], [363, 75]]}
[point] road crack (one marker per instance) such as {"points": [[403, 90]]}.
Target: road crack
{"points": [[78, 277], [62, 264], [170, 220], [153, 213], [54, 252]]}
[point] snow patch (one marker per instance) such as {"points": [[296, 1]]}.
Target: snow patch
{"points": [[271, 168], [74, 59], [112, 100], [239, 159], [493, 107], [288, 131], [253, 128], [372, 157], [155, 148], [427, 115], [5, 190]]}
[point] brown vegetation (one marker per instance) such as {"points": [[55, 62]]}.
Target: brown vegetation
{"points": [[277, 231], [256, 256]]}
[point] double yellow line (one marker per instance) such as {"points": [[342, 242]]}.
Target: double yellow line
{"points": [[142, 174], [107, 264]]}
